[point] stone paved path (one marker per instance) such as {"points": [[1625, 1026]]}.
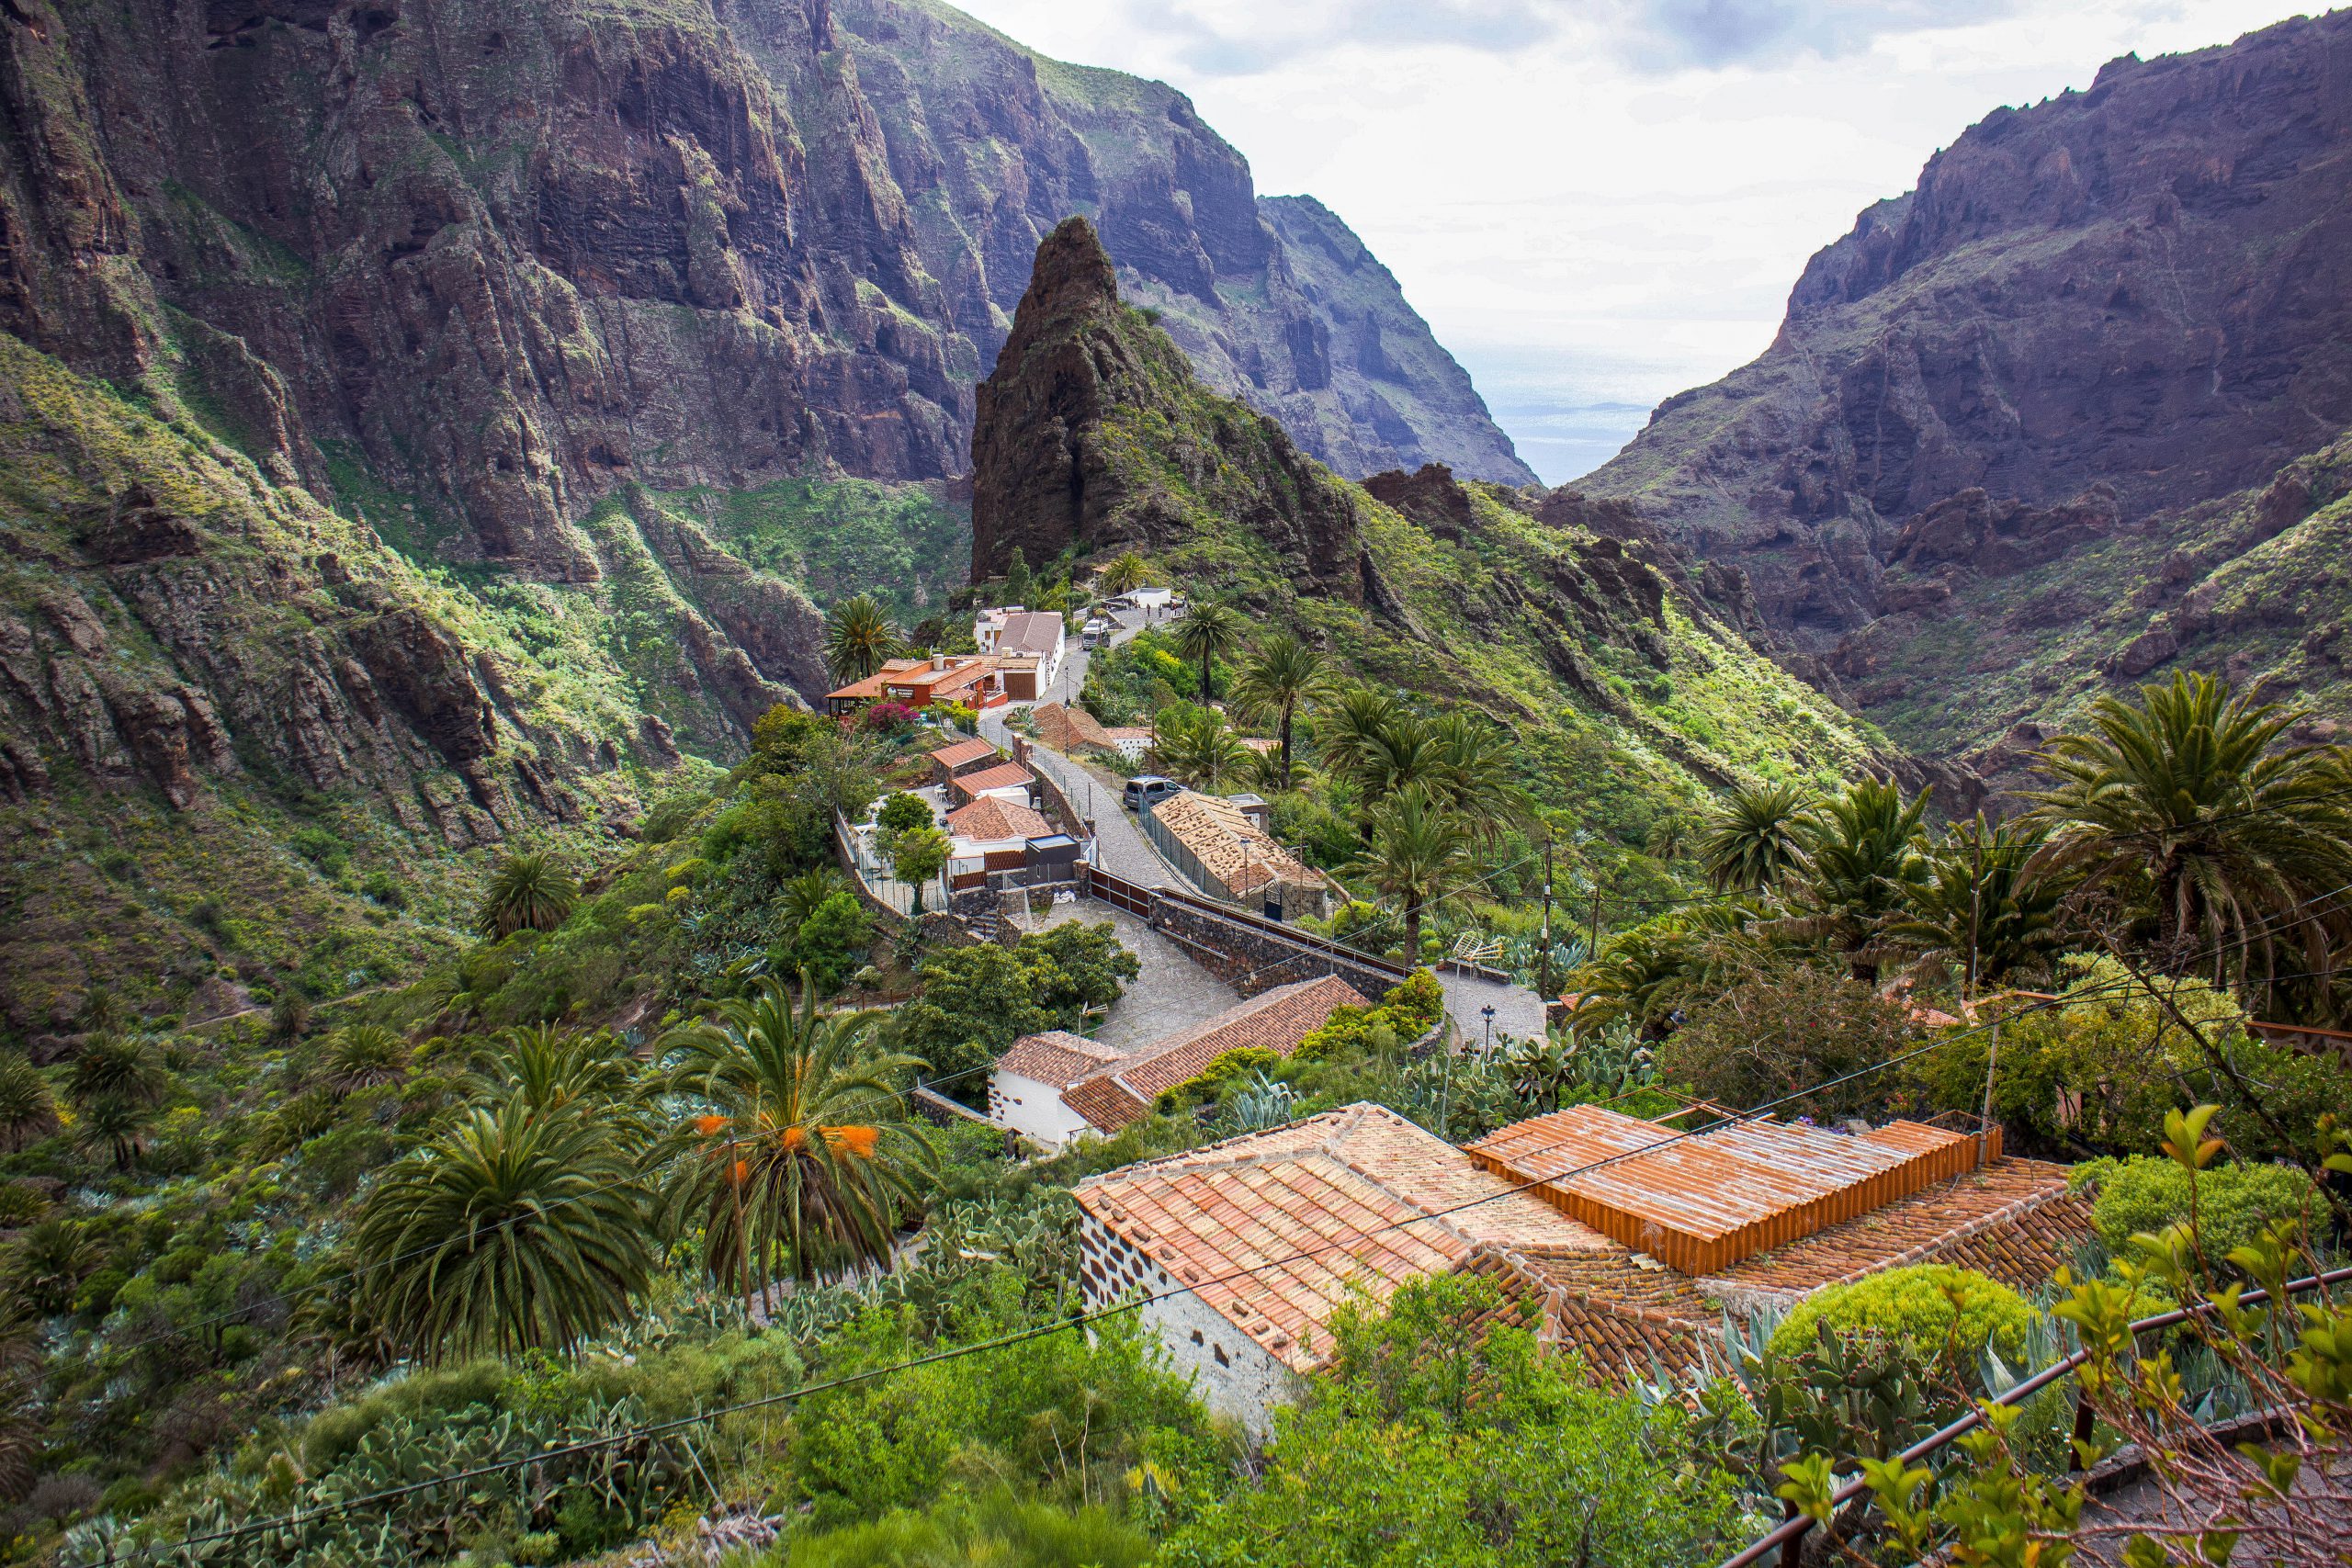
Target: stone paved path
{"points": [[1170, 992]]}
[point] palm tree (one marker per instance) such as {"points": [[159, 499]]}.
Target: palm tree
{"points": [[363, 1055], [1124, 574], [1283, 676], [1756, 838], [1420, 856], [1353, 734], [527, 892], [1474, 774], [1988, 908], [1862, 869], [1205, 632], [859, 638], [114, 1125], [48, 1262], [515, 1230], [127, 1068], [28, 1110], [805, 893], [1197, 746], [2193, 801], [804, 1145], [550, 1070]]}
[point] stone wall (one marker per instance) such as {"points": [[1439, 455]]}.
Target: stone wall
{"points": [[1235, 1376], [1251, 957]]}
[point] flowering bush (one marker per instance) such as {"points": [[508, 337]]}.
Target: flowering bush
{"points": [[889, 718]]}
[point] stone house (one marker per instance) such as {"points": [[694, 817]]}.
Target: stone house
{"points": [[1254, 1242], [962, 757], [1227, 852], [1026, 1090]]}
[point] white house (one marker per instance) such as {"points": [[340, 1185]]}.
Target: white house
{"points": [[1026, 1092]]}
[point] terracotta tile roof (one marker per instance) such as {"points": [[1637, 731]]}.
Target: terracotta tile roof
{"points": [[1701, 1203], [1119, 732], [1229, 844], [1065, 727], [2013, 1219], [1276, 1021], [991, 818], [1055, 1057], [962, 752], [1004, 775], [1276, 1230]]}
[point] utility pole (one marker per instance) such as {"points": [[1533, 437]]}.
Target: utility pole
{"points": [[1985, 1122], [1592, 948], [1543, 963]]}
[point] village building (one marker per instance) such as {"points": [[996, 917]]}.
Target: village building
{"points": [[971, 680], [1009, 780], [1123, 1090], [1026, 1090], [1029, 645], [963, 757], [1130, 741], [993, 834], [1068, 728], [1248, 1246], [1224, 848]]}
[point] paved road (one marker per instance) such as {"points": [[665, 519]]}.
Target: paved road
{"points": [[1519, 1011], [1168, 993], [1120, 847]]}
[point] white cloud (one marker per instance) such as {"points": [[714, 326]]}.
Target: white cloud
{"points": [[1599, 203]]}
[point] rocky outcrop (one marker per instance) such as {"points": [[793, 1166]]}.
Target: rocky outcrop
{"points": [[1093, 433], [2114, 305]]}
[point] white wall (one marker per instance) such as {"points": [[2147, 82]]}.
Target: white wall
{"points": [[1033, 1108], [1235, 1376]]}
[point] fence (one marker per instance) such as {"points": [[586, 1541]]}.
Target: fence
{"points": [[1115, 891], [1790, 1536], [879, 885]]}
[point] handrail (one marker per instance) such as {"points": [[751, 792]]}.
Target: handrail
{"points": [[1289, 933], [1790, 1532]]}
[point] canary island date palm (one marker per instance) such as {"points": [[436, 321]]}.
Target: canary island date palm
{"points": [[552, 1069], [1283, 678], [1419, 857], [527, 892], [2197, 803], [800, 1146], [1124, 574], [1195, 746], [1205, 632], [1756, 838], [517, 1229], [28, 1110], [362, 1056], [1862, 868], [859, 638], [1987, 909], [1474, 775]]}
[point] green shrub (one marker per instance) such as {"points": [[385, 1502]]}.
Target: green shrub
{"points": [[2147, 1192], [1915, 1308], [997, 1529], [832, 942]]}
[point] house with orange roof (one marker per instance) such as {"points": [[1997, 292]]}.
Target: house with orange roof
{"points": [[972, 680], [1026, 1090], [1625, 1243], [1009, 780], [963, 757]]}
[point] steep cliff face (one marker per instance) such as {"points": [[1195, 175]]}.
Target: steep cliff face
{"points": [[1567, 617], [1274, 300], [2090, 316], [1093, 433]]}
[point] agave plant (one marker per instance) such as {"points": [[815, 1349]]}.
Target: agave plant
{"points": [[527, 892]]}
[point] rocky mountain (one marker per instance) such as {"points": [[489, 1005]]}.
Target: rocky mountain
{"points": [[425, 423], [1567, 619], [2094, 321]]}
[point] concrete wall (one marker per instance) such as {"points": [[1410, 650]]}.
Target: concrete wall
{"points": [[1235, 1376], [1033, 1108]]}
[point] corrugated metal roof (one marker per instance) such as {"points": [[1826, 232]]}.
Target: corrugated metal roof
{"points": [[1703, 1202]]}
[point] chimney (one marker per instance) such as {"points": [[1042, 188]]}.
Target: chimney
{"points": [[939, 661]]}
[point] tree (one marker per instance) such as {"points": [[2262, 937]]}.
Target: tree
{"points": [[527, 892], [1283, 676], [1988, 908], [115, 1126], [1420, 856], [804, 895], [831, 941], [975, 1001], [1472, 775], [918, 855], [1353, 736], [517, 1229], [552, 1069], [1125, 573], [1195, 746], [804, 1145], [2192, 802], [1755, 838], [859, 638], [1862, 868], [902, 812], [1207, 632], [127, 1068], [28, 1111], [1782, 1030], [361, 1057], [1019, 584]]}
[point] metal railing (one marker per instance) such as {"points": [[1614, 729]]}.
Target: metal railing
{"points": [[1790, 1536]]}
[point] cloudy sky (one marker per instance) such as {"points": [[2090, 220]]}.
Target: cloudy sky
{"points": [[1599, 202]]}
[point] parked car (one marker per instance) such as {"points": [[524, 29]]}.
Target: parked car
{"points": [[1149, 789]]}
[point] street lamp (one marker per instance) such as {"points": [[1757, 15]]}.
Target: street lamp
{"points": [[1488, 1050]]}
